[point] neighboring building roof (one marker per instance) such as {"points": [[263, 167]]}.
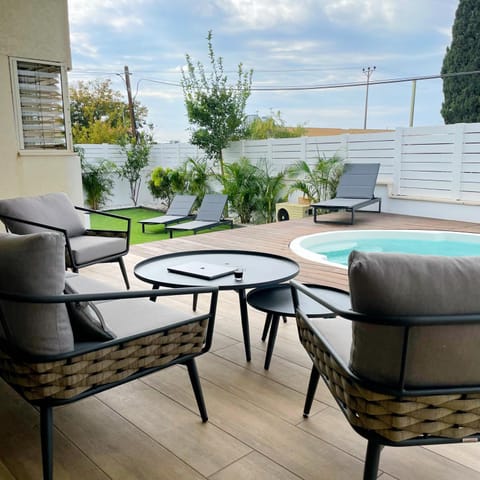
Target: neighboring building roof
{"points": [[319, 132]]}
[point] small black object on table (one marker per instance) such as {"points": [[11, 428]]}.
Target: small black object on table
{"points": [[258, 269], [277, 302]]}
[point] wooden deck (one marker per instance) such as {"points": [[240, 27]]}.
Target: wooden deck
{"points": [[150, 428]]}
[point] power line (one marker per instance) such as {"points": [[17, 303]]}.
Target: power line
{"points": [[286, 88]]}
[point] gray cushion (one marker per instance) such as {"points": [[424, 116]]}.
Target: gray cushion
{"points": [[89, 248], [86, 320], [54, 209], [402, 284], [34, 264], [132, 316]]}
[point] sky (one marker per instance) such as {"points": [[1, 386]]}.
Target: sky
{"points": [[287, 43]]}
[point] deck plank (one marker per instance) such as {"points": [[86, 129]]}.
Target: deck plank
{"points": [[150, 428]]}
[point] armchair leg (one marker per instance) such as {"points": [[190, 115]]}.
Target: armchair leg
{"points": [[372, 460], [312, 388], [46, 436], [124, 272], [197, 388]]}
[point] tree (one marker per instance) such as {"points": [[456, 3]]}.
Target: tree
{"points": [[462, 93], [272, 126], [137, 154], [215, 109], [99, 114]]}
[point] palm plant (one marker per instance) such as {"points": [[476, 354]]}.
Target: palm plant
{"points": [[197, 178], [317, 182], [242, 183], [273, 190]]}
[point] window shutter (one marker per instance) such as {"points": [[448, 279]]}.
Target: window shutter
{"points": [[41, 105]]}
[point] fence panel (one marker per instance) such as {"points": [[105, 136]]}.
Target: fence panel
{"points": [[435, 162]]}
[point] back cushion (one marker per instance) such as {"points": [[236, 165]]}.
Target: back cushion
{"points": [[54, 209], [34, 265], [383, 284]]}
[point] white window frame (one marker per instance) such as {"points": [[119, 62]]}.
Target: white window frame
{"points": [[18, 108]]}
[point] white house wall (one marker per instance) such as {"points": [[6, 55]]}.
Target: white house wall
{"points": [[37, 31]]}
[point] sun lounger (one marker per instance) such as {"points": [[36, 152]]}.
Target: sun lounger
{"points": [[180, 209], [210, 214], [355, 190]]}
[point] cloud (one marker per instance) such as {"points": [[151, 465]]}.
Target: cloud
{"points": [[81, 44], [118, 14], [264, 14], [387, 15]]}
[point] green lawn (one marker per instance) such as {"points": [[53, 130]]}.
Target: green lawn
{"points": [[152, 232]]}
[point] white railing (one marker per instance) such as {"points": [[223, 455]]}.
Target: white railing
{"points": [[436, 163]]}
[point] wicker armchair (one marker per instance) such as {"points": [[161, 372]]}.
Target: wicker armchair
{"points": [[55, 212], [57, 348], [403, 363]]}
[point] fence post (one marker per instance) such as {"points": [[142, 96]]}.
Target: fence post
{"points": [[397, 160], [457, 161]]}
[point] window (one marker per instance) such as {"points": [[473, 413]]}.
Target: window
{"points": [[40, 105]]}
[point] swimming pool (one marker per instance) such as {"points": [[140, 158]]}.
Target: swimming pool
{"points": [[334, 247]]}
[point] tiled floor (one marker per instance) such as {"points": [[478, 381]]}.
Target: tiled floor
{"points": [[150, 428]]}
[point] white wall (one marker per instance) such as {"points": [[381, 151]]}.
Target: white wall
{"points": [[36, 30]]}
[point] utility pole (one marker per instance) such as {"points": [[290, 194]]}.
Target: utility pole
{"points": [[412, 102], [130, 104], [368, 72]]}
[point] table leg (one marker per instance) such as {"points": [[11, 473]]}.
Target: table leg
{"points": [[271, 340], [268, 321], [245, 327], [156, 286]]}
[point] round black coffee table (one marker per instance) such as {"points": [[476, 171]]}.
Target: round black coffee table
{"points": [[259, 269]]}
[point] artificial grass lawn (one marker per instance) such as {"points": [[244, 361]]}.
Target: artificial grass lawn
{"points": [[152, 232]]}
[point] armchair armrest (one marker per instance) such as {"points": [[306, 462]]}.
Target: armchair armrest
{"points": [[125, 231], [114, 295]]}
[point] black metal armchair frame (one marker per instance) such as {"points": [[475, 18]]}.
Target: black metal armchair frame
{"points": [[70, 257], [48, 381], [389, 415]]}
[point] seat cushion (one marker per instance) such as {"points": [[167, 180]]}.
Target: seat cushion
{"points": [[54, 209], [34, 264], [89, 248], [132, 316], [383, 284]]}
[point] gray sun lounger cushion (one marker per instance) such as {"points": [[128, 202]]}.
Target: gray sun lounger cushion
{"points": [[356, 189], [180, 209], [210, 214]]}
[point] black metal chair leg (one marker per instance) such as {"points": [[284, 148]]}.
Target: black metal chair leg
{"points": [[195, 302], [372, 460], [312, 388], [271, 341], [197, 388], [46, 437], [268, 321], [124, 272]]}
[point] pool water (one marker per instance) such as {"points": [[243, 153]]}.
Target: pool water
{"points": [[335, 247]]}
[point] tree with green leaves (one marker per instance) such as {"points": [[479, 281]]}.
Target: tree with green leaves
{"points": [[215, 109], [99, 114], [462, 93], [137, 153], [272, 126]]}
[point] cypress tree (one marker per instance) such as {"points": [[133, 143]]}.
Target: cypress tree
{"points": [[462, 93]]}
